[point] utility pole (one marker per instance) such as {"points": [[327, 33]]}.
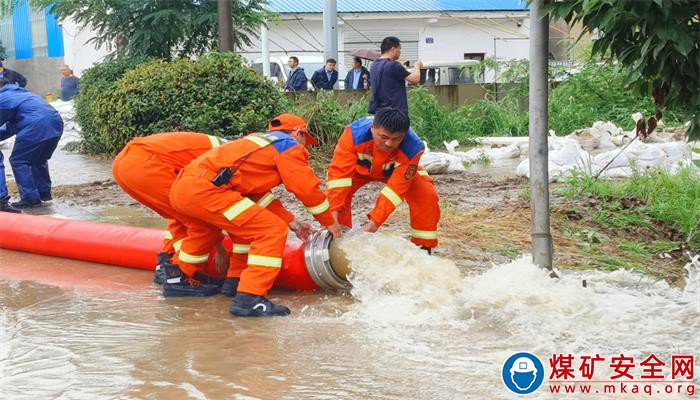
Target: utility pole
{"points": [[265, 44], [330, 29], [225, 13], [538, 131]]}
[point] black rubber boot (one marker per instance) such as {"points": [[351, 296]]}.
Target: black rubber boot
{"points": [[26, 204], [161, 258], [6, 207], [177, 284], [45, 196], [230, 287], [250, 305]]}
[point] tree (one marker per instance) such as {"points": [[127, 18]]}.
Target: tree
{"points": [[158, 28], [658, 41]]}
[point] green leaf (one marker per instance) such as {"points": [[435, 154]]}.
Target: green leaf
{"points": [[684, 44]]}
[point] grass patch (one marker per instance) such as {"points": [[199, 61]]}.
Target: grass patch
{"points": [[642, 201]]}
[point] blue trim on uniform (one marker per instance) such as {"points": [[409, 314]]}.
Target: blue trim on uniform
{"points": [[54, 35], [365, 163], [411, 144], [388, 172], [22, 31], [281, 141], [360, 130]]}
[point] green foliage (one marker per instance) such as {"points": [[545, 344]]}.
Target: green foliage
{"points": [[159, 28], [98, 80], [597, 92], [658, 41], [673, 200], [326, 119], [494, 118], [435, 123], [217, 95]]}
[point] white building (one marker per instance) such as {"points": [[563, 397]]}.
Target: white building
{"points": [[432, 31]]}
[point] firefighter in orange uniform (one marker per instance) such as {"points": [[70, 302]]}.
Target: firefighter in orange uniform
{"points": [[146, 169], [384, 149], [226, 189]]}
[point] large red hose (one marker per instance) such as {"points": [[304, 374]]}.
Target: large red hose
{"points": [[120, 245]]}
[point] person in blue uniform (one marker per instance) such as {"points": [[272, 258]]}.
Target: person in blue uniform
{"points": [[325, 77], [38, 128]]}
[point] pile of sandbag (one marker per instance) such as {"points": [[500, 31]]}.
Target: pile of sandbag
{"points": [[71, 129], [454, 161], [589, 150], [565, 154]]}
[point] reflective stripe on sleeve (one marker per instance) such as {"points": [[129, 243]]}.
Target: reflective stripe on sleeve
{"points": [[321, 208], [266, 200], [339, 183], [391, 196]]}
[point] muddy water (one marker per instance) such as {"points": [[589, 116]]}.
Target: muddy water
{"points": [[414, 328]]}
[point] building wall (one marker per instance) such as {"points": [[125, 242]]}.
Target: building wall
{"points": [[34, 46], [440, 39], [79, 54], [42, 73]]}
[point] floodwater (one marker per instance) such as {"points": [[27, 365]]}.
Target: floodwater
{"points": [[415, 327]]}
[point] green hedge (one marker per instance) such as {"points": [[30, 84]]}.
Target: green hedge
{"points": [[217, 94], [99, 79]]}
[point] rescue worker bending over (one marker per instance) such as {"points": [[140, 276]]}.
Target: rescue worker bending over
{"points": [[38, 127], [384, 149], [226, 189], [146, 169]]}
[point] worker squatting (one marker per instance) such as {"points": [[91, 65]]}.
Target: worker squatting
{"points": [[205, 186]]}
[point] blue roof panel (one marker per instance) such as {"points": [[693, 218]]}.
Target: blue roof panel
{"points": [[360, 6]]}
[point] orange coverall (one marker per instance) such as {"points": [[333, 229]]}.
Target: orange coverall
{"points": [[147, 167], [259, 162], [357, 161]]}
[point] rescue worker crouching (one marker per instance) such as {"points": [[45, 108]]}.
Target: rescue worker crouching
{"points": [[385, 149], [226, 189], [38, 128], [146, 169]]}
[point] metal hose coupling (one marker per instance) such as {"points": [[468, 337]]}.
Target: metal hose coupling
{"points": [[319, 256]]}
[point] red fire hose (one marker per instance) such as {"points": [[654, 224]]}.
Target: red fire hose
{"points": [[125, 246]]}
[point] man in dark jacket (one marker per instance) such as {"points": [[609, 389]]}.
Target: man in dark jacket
{"points": [[13, 77], [297, 78], [325, 77], [38, 128], [358, 76]]}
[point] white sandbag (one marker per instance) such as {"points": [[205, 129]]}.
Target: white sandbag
{"points": [[437, 163], [676, 151], [503, 153], [585, 138]]}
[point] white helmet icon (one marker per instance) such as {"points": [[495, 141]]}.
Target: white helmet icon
{"points": [[523, 365]]}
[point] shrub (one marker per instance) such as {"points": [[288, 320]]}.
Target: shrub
{"points": [[217, 95], [433, 122], [99, 79]]}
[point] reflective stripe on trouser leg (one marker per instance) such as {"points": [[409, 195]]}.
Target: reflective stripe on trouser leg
{"points": [[239, 258], [424, 210], [194, 251], [268, 235]]}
